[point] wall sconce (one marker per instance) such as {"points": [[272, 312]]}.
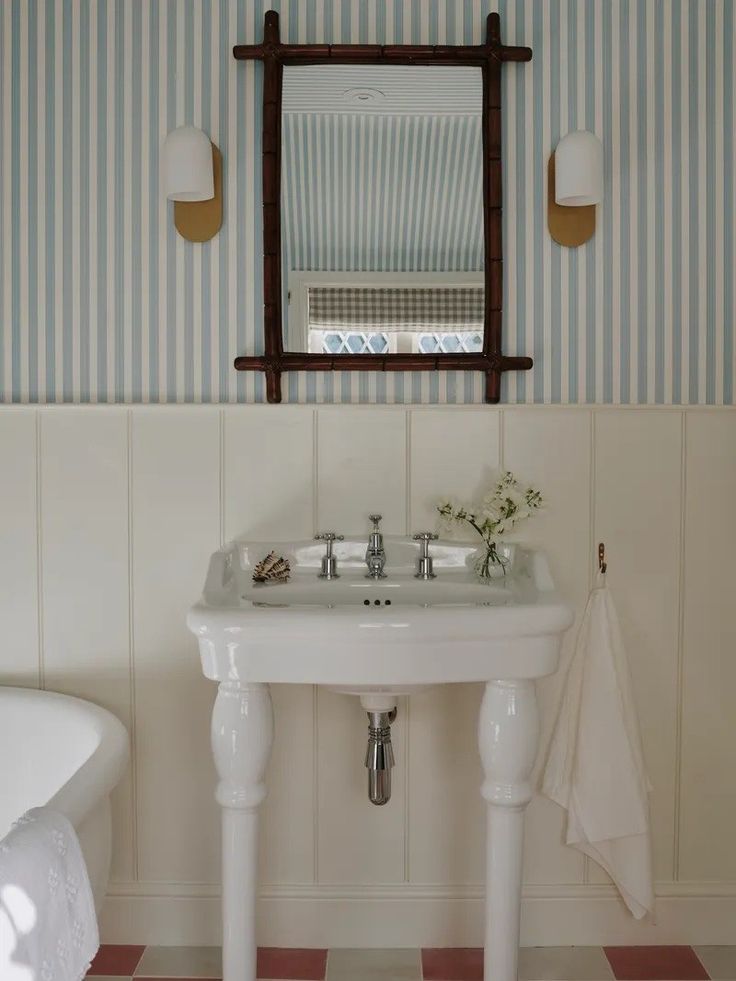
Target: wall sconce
{"points": [[574, 188], [192, 179]]}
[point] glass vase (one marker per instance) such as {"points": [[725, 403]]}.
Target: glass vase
{"points": [[490, 565]]}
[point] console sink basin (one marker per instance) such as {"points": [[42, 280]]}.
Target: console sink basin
{"points": [[376, 638], [396, 634]]}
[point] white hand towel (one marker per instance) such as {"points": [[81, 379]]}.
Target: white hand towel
{"points": [[595, 768], [48, 927]]}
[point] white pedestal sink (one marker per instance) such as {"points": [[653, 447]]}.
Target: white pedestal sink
{"points": [[386, 637]]}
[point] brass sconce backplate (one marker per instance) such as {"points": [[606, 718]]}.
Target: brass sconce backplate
{"points": [[567, 226], [199, 221]]}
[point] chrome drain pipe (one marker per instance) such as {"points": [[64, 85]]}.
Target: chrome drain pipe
{"points": [[379, 756]]}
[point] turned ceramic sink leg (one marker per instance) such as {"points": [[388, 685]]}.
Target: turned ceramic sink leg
{"points": [[242, 736], [508, 733]]}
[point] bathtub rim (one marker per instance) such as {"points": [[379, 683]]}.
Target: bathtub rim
{"points": [[99, 774]]}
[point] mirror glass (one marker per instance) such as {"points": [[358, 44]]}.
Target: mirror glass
{"points": [[382, 209]]}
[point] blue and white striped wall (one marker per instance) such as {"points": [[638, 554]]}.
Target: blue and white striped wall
{"points": [[101, 301]]}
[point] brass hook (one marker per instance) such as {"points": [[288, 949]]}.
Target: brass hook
{"points": [[602, 564]]}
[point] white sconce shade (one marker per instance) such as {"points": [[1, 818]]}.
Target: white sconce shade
{"points": [[187, 165], [579, 170]]}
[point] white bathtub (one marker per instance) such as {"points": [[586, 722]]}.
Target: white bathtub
{"points": [[66, 753]]}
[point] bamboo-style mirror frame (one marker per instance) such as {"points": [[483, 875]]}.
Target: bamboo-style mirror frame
{"points": [[489, 57]]}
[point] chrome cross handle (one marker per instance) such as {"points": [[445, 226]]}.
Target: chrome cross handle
{"points": [[329, 561], [424, 566]]}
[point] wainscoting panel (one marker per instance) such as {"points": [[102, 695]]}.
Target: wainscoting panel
{"points": [[288, 845], [638, 508], [361, 470], [85, 585], [268, 493], [19, 655], [552, 450], [175, 507], [708, 719], [268, 473], [453, 453], [446, 838], [133, 499]]}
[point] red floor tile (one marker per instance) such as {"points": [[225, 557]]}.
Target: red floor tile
{"points": [[116, 959], [655, 964], [452, 964], [293, 963]]}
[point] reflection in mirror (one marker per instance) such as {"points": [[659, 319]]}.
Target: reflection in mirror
{"points": [[382, 209]]}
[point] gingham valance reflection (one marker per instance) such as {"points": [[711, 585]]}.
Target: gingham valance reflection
{"points": [[397, 308]]}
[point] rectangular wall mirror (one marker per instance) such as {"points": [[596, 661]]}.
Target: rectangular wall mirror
{"points": [[382, 207]]}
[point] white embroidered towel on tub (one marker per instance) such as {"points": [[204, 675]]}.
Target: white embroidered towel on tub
{"points": [[595, 768], [48, 926]]}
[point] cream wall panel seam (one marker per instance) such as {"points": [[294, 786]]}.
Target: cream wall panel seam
{"points": [[407, 707], [592, 565], [131, 647], [315, 470], [315, 783], [680, 648], [222, 471], [39, 552], [501, 443]]}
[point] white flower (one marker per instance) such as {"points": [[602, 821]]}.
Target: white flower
{"points": [[500, 509]]}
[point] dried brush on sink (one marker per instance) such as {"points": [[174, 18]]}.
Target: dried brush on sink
{"points": [[274, 568]]}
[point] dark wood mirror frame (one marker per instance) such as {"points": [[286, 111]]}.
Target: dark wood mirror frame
{"points": [[489, 57]]}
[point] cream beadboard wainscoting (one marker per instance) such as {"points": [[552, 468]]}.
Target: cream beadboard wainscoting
{"points": [[107, 518]]}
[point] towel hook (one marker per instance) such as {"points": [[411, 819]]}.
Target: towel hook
{"points": [[602, 564]]}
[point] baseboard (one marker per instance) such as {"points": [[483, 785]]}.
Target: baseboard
{"points": [[415, 916]]}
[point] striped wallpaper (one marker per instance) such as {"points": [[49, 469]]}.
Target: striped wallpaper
{"points": [[101, 301]]}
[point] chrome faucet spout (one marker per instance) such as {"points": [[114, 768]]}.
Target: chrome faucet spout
{"points": [[375, 555]]}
